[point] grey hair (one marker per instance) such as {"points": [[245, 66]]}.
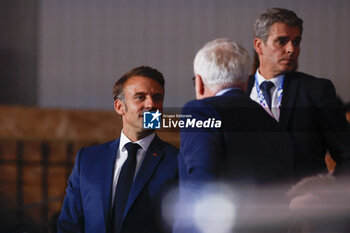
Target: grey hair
{"points": [[274, 15], [222, 63]]}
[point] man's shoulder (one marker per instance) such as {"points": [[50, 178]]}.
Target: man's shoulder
{"points": [[195, 107], [195, 103], [311, 86], [308, 79], [96, 153], [227, 99], [219, 106], [235, 111], [204, 108], [103, 146]]}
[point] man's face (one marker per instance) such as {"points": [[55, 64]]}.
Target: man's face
{"points": [[279, 54], [140, 94]]}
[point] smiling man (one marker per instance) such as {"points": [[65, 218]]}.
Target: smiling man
{"points": [[304, 105], [117, 186]]}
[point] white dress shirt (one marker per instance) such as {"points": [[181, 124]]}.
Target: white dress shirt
{"points": [[122, 155], [275, 99]]}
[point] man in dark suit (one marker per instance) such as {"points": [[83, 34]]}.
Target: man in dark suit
{"points": [[241, 144], [304, 105], [117, 186]]}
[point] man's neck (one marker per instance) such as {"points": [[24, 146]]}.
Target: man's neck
{"points": [[136, 136], [226, 87], [267, 74]]}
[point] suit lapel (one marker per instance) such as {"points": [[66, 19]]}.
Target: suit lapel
{"points": [[290, 87], [106, 188], [152, 158]]}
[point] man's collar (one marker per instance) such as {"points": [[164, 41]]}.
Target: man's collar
{"points": [[144, 142], [278, 80], [223, 91]]}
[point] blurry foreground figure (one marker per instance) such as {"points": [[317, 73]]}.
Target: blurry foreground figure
{"points": [[320, 204], [317, 204]]}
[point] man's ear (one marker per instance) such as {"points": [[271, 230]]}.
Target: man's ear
{"points": [[199, 87], [119, 107], [258, 45]]}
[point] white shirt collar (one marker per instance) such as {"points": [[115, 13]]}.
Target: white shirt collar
{"points": [[144, 142], [277, 81], [223, 91]]}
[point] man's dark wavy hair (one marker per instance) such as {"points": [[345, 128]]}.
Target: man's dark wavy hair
{"points": [[143, 71]]}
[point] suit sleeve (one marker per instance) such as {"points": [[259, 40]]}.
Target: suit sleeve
{"points": [[335, 128], [71, 216]]}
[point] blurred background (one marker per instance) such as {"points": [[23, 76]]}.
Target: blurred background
{"points": [[59, 60], [68, 54]]}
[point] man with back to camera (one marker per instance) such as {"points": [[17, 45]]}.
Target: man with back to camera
{"points": [[304, 105], [239, 151], [117, 186], [221, 71], [243, 150]]}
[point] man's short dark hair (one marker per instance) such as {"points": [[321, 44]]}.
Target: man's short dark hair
{"points": [[275, 15], [143, 71]]}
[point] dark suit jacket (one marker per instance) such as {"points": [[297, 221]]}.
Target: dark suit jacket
{"points": [[310, 113], [87, 203], [249, 148]]}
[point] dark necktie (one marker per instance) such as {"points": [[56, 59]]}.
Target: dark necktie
{"points": [[125, 181], [265, 88]]}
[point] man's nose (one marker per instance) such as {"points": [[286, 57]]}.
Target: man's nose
{"points": [[149, 103], [290, 48]]}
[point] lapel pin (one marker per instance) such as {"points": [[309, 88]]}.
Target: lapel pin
{"points": [[155, 154]]}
